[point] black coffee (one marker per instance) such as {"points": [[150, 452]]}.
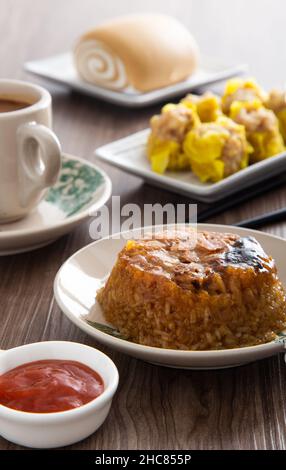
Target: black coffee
{"points": [[8, 105]]}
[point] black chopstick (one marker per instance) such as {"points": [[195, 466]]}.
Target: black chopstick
{"points": [[244, 196], [264, 219]]}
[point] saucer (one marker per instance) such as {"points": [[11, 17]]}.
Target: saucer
{"points": [[82, 188]]}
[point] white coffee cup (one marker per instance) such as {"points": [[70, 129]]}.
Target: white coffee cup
{"points": [[30, 153]]}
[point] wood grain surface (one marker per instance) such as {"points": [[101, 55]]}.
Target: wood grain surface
{"points": [[155, 407]]}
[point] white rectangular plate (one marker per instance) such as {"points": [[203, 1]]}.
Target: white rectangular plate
{"points": [[60, 68], [129, 154]]}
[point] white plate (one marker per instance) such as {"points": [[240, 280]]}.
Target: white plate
{"points": [[60, 68], [129, 154], [82, 188], [84, 273]]}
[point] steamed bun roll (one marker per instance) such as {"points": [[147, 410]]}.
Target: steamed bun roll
{"points": [[146, 52]]}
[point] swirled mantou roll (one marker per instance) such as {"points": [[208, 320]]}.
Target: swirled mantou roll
{"points": [[146, 52]]}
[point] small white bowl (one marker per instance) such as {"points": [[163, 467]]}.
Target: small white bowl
{"points": [[48, 430]]}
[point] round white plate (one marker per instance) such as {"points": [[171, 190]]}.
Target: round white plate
{"points": [[84, 273], [82, 188]]}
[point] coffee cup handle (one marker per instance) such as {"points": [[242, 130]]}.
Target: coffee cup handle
{"points": [[39, 160]]}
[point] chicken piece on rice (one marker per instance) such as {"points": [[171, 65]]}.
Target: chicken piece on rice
{"points": [[168, 130], [190, 290], [217, 149]]}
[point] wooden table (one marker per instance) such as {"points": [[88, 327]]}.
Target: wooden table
{"points": [[155, 408]]}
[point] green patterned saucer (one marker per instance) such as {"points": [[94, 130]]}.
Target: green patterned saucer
{"points": [[82, 188]]}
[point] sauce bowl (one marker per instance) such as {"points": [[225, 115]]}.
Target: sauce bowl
{"points": [[57, 429]]}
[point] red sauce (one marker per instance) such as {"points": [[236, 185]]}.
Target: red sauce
{"points": [[49, 386]]}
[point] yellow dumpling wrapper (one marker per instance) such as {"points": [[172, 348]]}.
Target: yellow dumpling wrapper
{"points": [[281, 115], [237, 106], [165, 155], [241, 90], [235, 84], [276, 101], [207, 106], [164, 146], [191, 106], [205, 147], [204, 153], [265, 143]]}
